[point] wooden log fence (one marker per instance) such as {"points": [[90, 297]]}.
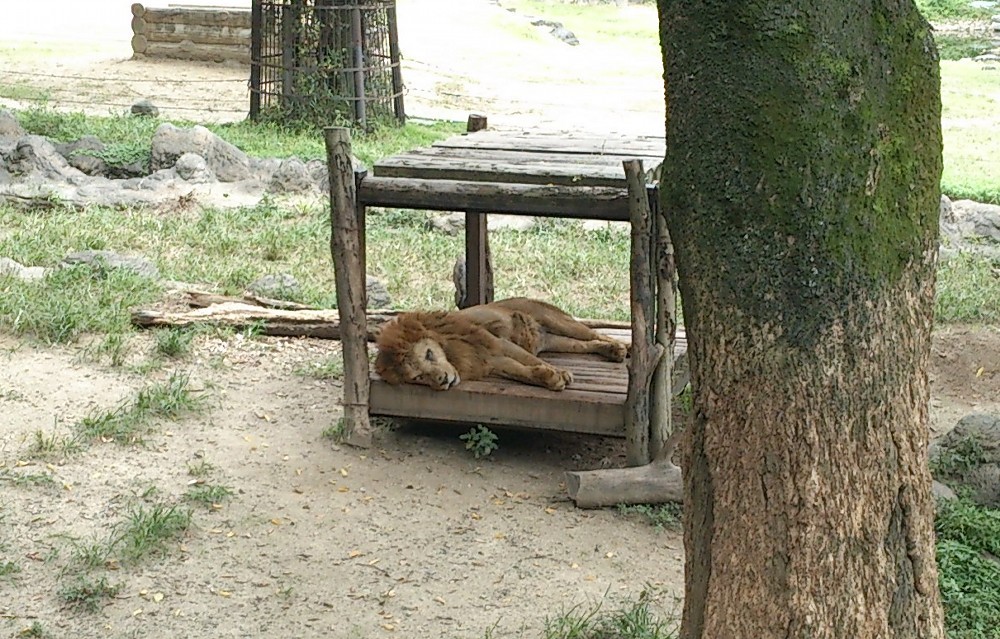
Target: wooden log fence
{"points": [[187, 33]]}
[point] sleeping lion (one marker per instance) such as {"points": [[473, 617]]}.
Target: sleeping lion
{"points": [[441, 349]]}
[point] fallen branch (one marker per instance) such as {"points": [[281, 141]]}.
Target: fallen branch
{"points": [[653, 483]]}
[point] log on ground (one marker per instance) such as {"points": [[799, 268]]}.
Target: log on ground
{"points": [[655, 483]]}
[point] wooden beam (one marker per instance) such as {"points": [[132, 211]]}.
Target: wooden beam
{"points": [[661, 410], [655, 483], [579, 202], [645, 354], [478, 269], [345, 246]]}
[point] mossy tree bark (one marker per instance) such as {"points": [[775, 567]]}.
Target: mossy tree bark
{"points": [[802, 188]]}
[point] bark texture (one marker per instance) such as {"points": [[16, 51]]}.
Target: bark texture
{"points": [[801, 186]]}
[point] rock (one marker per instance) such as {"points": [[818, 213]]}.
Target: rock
{"points": [[942, 492], [227, 162], [542, 22], [967, 459], [109, 260], [9, 267], [282, 286], [145, 108], [947, 213], [458, 278], [606, 225], [377, 294], [193, 168], [447, 223], [83, 155], [34, 155], [292, 176], [9, 126], [567, 36]]}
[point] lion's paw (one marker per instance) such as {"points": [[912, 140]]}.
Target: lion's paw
{"points": [[614, 351], [555, 379]]}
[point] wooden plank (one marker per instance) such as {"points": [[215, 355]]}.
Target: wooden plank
{"points": [[517, 157], [559, 143], [231, 17], [459, 167], [502, 403], [583, 202]]}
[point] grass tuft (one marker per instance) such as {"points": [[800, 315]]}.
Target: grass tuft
{"points": [[968, 547], [968, 290], [208, 494], [634, 620], [660, 516], [87, 594], [174, 342]]}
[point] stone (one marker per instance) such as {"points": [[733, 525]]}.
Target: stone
{"points": [[145, 108], [454, 223], [228, 163], [292, 176], [942, 492], [34, 155], [9, 126], [10, 267], [967, 459], [567, 36], [193, 168], [447, 223], [377, 294], [109, 260], [282, 286], [83, 154]]}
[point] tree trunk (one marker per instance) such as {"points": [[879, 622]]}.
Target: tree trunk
{"points": [[801, 186]]}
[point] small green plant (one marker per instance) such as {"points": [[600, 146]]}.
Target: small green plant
{"points": [[631, 620], [8, 569], [92, 554], [174, 342], [480, 440], [959, 459], [35, 631], [26, 479], [329, 368], [87, 594], [208, 494], [114, 347], [51, 445], [968, 544], [659, 515], [335, 431], [148, 529], [200, 468]]}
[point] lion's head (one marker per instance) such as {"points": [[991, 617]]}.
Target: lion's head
{"points": [[409, 353]]}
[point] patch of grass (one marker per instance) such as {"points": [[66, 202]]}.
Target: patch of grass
{"points": [[149, 528], [87, 594], [92, 554], [329, 368], [200, 468], [25, 479], [51, 446], [944, 10], [335, 431], [9, 569], [208, 494], [129, 421], [24, 91], [959, 459], [480, 440], [68, 302], [174, 342], [968, 547], [968, 290], [971, 127], [113, 347], [659, 515], [958, 47], [35, 631], [632, 620]]}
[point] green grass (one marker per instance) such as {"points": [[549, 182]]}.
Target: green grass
{"points": [[68, 302], [331, 367], [149, 529], [130, 420], [968, 290], [631, 620], [9, 570], [174, 342], [945, 10], [87, 594], [959, 47], [661, 516], [970, 97], [968, 547], [35, 631], [13, 478], [208, 494]]}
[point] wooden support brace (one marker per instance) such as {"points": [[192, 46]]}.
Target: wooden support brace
{"points": [[346, 246], [478, 267], [646, 353], [661, 410]]}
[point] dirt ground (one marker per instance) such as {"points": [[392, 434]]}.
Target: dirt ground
{"points": [[412, 538]]}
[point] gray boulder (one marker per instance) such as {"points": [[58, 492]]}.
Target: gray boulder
{"points": [[109, 260], [377, 294], [282, 286], [967, 459], [193, 168], [9, 126], [977, 221], [12, 268], [35, 156], [145, 108], [227, 162], [292, 176], [83, 155]]}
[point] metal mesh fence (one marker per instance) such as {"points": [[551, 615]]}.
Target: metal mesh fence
{"points": [[325, 61]]}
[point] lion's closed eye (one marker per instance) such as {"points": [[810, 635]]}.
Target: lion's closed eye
{"points": [[429, 355]]}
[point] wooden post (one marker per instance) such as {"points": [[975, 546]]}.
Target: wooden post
{"points": [[660, 424], [346, 246], [646, 352], [397, 69], [357, 46], [478, 268], [256, 48]]}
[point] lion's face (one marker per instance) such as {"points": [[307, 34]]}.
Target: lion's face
{"points": [[423, 363]]}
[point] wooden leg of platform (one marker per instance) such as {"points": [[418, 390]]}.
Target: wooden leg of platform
{"points": [[347, 248]]}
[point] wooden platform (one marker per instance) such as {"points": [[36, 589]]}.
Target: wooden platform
{"points": [[594, 403]]}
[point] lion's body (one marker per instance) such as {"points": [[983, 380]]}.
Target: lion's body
{"points": [[440, 349]]}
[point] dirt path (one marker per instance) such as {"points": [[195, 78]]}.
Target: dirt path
{"points": [[412, 538]]}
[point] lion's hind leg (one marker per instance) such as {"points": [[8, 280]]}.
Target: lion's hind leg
{"points": [[607, 347]]}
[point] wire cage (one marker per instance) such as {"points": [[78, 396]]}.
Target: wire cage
{"points": [[323, 60]]}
